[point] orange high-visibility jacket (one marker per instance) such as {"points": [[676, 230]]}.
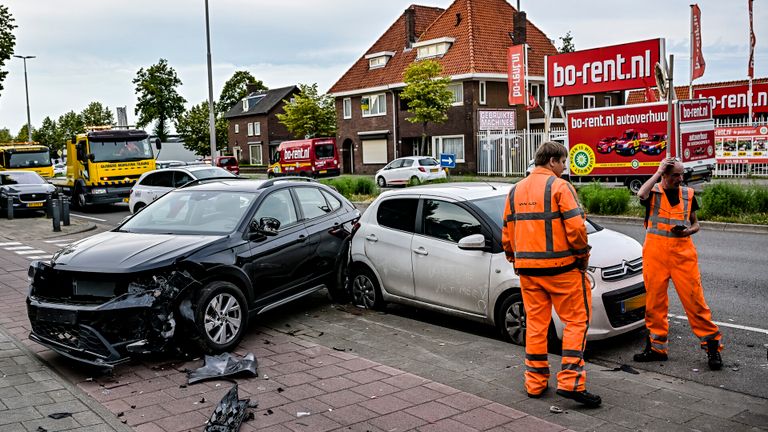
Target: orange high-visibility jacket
{"points": [[662, 216], [544, 223]]}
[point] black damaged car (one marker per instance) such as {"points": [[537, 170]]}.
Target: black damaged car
{"points": [[191, 269]]}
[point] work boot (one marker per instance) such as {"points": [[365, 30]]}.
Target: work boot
{"points": [[649, 355], [714, 360], [583, 397]]}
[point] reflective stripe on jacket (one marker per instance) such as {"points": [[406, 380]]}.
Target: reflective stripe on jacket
{"points": [[663, 216], [544, 227]]}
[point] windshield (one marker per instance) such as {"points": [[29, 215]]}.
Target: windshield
{"points": [[8, 178], [189, 211], [121, 151], [493, 207], [628, 135], [211, 172], [29, 159]]}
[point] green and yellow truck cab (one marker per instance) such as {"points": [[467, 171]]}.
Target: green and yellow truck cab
{"points": [[27, 156], [104, 163]]}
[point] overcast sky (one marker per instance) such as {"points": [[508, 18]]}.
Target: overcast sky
{"points": [[90, 50]]}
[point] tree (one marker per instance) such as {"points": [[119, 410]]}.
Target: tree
{"points": [[427, 95], [566, 43], [236, 88], [158, 100], [48, 134], [194, 128], [7, 40], [70, 124], [5, 135], [96, 114], [23, 135], [309, 115]]}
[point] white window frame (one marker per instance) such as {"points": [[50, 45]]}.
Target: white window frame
{"points": [[237, 128], [377, 62], [437, 146], [256, 128], [260, 159], [245, 104], [346, 107], [536, 92], [607, 100], [483, 93], [381, 100], [457, 88], [433, 47], [588, 101], [250, 129]]}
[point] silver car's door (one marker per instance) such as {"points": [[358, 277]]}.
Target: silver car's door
{"points": [[444, 274], [388, 244]]}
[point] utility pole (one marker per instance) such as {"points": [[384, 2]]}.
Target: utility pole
{"points": [[26, 89], [211, 113]]}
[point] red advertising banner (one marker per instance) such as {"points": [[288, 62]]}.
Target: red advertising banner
{"points": [[626, 140], [694, 110], [697, 57], [617, 67], [739, 145], [698, 145], [733, 99], [516, 74]]}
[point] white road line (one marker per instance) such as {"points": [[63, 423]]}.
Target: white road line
{"points": [[62, 244], [87, 217], [9, 244], [56, 241], [29, 252], [722, 324], [14, 248]]}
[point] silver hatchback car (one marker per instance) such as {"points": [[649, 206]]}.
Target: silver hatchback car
{"points": [[439, 247]]}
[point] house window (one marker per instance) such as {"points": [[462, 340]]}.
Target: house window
{"points": [[237, 128], [482, 93], [374, 151], [458, 93], [607, 101], [245, 105], [536, 93], [453, 144], [257, 128], [374, 105], [256, 157], [250, 129], [588, 102], [377, 62], [347, 104]]}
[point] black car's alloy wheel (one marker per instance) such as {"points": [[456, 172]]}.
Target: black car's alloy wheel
{"points": [[221, 316]]}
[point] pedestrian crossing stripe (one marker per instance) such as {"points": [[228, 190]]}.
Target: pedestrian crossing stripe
{"points": [[29, 252], [62, 244], [9, 244], [54, 241], [15, 248]]}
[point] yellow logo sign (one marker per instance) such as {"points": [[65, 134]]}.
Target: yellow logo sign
{"points": [[582, 159]]}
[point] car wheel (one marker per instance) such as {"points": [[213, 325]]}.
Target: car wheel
{"points": [[381, 182], [221, 317], [414, 181], [366, 291], [80, 198], [511, 320], [632, 151], [138, 206]]}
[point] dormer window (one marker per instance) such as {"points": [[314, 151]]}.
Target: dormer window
{"points": [[433, 47], [251, 100], [379, 59]]}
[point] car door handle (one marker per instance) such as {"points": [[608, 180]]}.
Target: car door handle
{"points": [[371, 238], [421, 251], [301, 238]]}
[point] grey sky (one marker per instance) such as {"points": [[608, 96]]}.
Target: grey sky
{"points": [[90, 50]]}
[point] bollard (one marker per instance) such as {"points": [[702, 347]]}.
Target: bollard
{"points": [[9, 205], [64, 206], [56, 215], [49, 208]]}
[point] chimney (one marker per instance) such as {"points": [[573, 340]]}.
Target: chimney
{"points": [[410, 27], [251, 88], [519, 37]]}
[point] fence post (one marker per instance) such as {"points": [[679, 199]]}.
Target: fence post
{"points": [[9, 208], [64, 210], [56, 215]]}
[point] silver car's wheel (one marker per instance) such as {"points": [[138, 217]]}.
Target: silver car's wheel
{"points": [[381, 182], [512, 321], [223, 318], [365, 290]]}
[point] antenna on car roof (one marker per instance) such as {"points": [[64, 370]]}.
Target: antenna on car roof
{"points": [[492, 186]]}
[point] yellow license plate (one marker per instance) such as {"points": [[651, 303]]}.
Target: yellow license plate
{"points": [[35, 204], [125, 199], [323, 171], [633, 303], [435, 169]]}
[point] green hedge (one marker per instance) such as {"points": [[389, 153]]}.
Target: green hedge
{"points": [[349, 186], [597, 199], [729, 199]]}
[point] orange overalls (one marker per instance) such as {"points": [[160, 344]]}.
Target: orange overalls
{"points": [[667, 255], [543, 236]]}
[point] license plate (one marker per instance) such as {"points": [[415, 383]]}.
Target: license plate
{"points": [[323, 171], [57, 316], [35, 204], [632, 303], [435, 169], [125, 200]]}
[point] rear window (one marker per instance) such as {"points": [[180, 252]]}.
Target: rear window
{"points": [[227, 161], [324, 151], [494, 207], [399, 214], [428, 162]]}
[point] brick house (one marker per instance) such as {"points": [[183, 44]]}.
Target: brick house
{"points": [[254, 131], [470, 40]]}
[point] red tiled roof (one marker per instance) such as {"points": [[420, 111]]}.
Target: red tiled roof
{"points": [[480, 46], [638, 96]]}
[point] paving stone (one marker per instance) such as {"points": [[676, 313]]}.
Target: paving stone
{"points": [[182, 422], [350, 414], [377, 389], [313, 423], [27, 401], [342, 398], [463, 401], [623, 417], [51, 424], [446, 425], [526, 424], [334, 384], [18, 415], [432, 411], [39, 387], [87, 418], [752, 418]]}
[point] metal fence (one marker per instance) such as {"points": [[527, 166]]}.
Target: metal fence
{"points": [[735, 170], [508, 152]]}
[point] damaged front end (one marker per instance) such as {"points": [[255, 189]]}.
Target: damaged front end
{"points": [[100, 319]]}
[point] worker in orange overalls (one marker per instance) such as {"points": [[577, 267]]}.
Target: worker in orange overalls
{"points": [[544, 236], [669, 253]]}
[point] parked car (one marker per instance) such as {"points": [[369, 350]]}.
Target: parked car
{"points": [[439, 247], [169, 163], [629, 143], [413, 169], [654, 145], [229, 163], [192, 269], [154, 184], [25, 189], [606, 144]]}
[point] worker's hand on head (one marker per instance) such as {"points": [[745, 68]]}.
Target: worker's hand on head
{"points": [[665, 163]]}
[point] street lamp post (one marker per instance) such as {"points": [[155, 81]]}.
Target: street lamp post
{"points": [[26, 89], [211, 114]]}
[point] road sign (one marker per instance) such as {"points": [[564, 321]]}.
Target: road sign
{"points": [[448, 160]]}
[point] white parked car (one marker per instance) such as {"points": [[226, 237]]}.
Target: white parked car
{"points": [[413, 169], [439, 247], [154, 184]]}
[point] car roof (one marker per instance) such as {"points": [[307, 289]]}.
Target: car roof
{"points": [[462, 191], [239, 184]]}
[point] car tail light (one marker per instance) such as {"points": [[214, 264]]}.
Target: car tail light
{"points": [[422, 169]]}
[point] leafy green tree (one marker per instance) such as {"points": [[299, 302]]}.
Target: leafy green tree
{"points": [[23, 135], [236, 88], [427, 95], [7, 40], [96, 114], [194, 128], [5, 135], [310, 114], [70, 124], [158, 99], [48, 134], [566, 43]]}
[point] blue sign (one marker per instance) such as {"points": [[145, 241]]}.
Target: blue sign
{"points": [[448, 160]]}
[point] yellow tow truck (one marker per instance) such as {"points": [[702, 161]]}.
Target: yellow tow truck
{"points": [[104, 163], [28, 156]]}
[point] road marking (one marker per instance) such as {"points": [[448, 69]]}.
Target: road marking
{"points": [[722, 324], [87, 217], [14, 248], [28, 252], [57, 241], [34, 257], [10, 244], [62, 244]]}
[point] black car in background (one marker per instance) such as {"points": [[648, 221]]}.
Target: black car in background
{"points": [[26, 190], [193, 268]]}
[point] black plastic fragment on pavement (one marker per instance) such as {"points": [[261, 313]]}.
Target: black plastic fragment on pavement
{"points": [[229, 414], [59, 415], [223, 365]]}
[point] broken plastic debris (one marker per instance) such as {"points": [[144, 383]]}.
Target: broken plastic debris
{"points": [[59, 415], [229, 413], [41, 429], [223, 365], [555, 409], [302, 414], [695, 370]]}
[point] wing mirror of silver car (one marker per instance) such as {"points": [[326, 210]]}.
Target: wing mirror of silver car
{"points": [[473, 242]]}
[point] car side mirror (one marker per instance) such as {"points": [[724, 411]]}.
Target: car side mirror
{"points": [[91, 157], [267, 226], [158, 144], [472, 242]]}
